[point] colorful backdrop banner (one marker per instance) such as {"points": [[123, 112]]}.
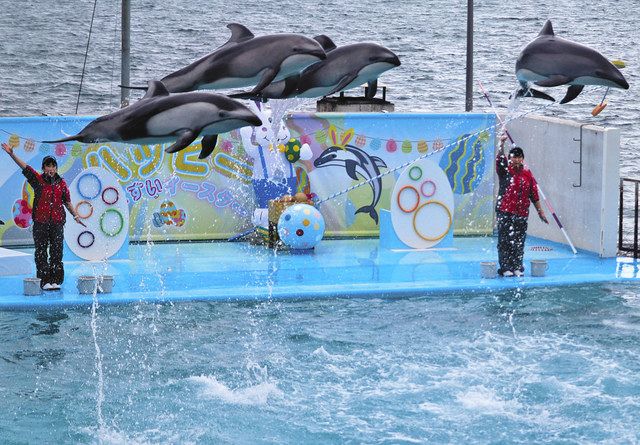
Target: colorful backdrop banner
{"points": [[180, 197]]}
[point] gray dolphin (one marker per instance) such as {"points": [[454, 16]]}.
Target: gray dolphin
{"points": [[160, 118], [246, 60], [345, 67], [550, 61], [356, 162]]}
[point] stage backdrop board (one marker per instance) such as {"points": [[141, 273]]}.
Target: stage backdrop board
{"points": [[178, 196]]}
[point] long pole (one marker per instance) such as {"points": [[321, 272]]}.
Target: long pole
{"points": [[469, 73], [544, 198], [125, 58]]}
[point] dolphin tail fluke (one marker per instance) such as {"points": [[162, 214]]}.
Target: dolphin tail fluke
{"points": [[75, 137], [1, 222], [530, 92], [370, 210], [572, 93]]}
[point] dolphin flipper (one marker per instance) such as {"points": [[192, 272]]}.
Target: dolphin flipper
{"points": [[186, 138], [530, 92], [346, 80], [378, 162], [351, 168], [572, 93], [266, 79], [208, 145]]}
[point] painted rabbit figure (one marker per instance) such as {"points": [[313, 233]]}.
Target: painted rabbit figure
{"points": [[273, 175]]}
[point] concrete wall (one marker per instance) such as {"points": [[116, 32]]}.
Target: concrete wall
{"points": [[582, 190]]}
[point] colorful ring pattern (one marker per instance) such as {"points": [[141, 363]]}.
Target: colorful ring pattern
{"points": [[120, 217], [408, 187], [83, 203], [439, 237], [413, 169], [428, 181], [110, 189], [89, 244], [83, 178]]}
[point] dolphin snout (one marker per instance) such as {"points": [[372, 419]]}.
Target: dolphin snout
{"points": [[253, 120], [622, 82]]}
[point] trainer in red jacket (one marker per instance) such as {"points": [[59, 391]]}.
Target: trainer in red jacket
{"points": [[517, 189], [51, 195]]}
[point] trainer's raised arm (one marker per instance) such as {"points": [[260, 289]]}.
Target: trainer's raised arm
{"points": [[9, 149]]}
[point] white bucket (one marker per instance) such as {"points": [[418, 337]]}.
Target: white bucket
{"points": [[87, 284], [32, 286], [105, 284], [488, 269], [539, 268]]}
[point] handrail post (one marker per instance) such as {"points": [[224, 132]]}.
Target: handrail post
{"points": [[620, 214]]}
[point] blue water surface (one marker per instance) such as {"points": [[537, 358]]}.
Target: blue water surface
{"points": [[540, 365]]}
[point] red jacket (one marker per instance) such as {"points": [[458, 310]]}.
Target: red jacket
{"points": [[50, 195], [518, 187]]}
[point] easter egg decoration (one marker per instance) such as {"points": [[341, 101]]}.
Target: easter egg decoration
{"points": [[301, 227]]}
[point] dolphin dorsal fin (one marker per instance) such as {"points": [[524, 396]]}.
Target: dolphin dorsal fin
{"points": [[547, 29], [239, 33], [155, 88], [325, 42]]}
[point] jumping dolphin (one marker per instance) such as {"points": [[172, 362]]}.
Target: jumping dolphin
{"points": [[356, 162], [345, 67], [246, 60], [160, 118], [550, 61]]}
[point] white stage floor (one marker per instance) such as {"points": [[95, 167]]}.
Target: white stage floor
{"points": [[13, 262]]}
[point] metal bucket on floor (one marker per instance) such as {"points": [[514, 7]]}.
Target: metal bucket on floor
{"points": [[539, 268], [32, 286], [105, 284], [488, 269], [87, 284]]}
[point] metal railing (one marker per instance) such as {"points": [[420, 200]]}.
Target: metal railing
{"points": [[628, 241]]}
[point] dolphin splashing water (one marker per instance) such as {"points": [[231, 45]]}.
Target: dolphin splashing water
{"points": [[550, 61]]}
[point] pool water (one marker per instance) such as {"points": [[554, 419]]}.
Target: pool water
{"points": [[540, 365]]}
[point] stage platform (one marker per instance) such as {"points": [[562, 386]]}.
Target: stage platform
{"points": [[14, 262], [345, 268]]}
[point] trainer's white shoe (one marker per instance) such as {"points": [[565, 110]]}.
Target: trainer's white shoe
{"points": [[47, 286], [507, 273], [55, 286], [518, 273]]}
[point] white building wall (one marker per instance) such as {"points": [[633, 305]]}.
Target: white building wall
{"points": [[582, 190]]}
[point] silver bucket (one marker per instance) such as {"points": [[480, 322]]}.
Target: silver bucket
{"points": [[87, 284], [539, 268], [32, 286], [105, 284], [488, 269]]}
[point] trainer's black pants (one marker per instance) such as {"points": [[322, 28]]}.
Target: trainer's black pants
{"points": [[49, 239], [512, 232]]}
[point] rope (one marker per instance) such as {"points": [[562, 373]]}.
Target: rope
{"points": [[86, 54], [426, 155]]}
